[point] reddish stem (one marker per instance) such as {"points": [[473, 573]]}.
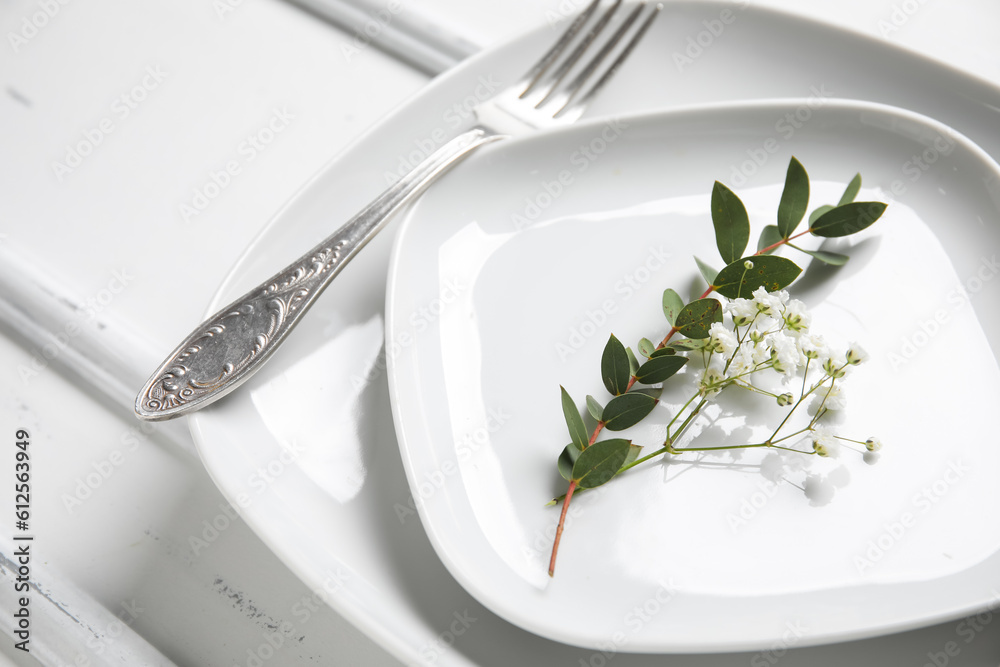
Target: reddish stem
{"points": [[569, 493], [559, 528], [781, 242], [673, 330]]}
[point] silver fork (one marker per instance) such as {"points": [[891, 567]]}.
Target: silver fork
{"points": [[228, 347]]}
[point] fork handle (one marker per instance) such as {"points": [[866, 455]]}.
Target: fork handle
{"points": [[231, 345]]}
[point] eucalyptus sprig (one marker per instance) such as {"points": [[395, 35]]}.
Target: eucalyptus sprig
{"points": [[751, 328]]}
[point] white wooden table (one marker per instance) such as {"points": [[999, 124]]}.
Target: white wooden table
{"points": [[143, 145]]}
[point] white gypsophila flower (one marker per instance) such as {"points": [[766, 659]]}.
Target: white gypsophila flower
{"points": [[796, 317], [761, 351], [835, 366], [769, 303], [856, 355], [812, 346], [721, 339], [824, 443], [711, 383], [743, 361], [831, 398], [784, 353], [743, 311], [873, 444]]}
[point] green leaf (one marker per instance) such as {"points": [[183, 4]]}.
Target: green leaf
{"points": [[600, 462], [732, 225], [633, 363], [567, 459], [627, 410], [848, 219], [819, 212], [853, 188], [652, 392], [769, 271], [687, 344], [615, 367], [659, 369], [794, 198], [633, 454], [768, 237], [574, 422], [646, 347], [594, 408], [832, 258], [707, 272], [696, 318], [663, 351], [672, 305]]}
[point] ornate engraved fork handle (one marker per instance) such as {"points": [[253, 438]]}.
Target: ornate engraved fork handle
{"points": [[228, 347]]}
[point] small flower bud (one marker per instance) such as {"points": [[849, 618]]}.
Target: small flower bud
{"points": [[748, 265], [830, 368], [796, 317], [743, 311], [756, 336], [785, 399], [794, 322], [873, 444], [856, 355], [776, 362], [824, 443]]}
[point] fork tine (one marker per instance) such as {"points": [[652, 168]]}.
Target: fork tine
{"points": [[567, 92], [543, 64], [577, 106], [584, 44]]}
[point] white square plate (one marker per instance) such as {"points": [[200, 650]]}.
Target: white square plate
{"points": [[509, 276]]}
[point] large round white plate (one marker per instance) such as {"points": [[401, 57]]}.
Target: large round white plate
{"points": [[349, 525], [507, 280]]}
